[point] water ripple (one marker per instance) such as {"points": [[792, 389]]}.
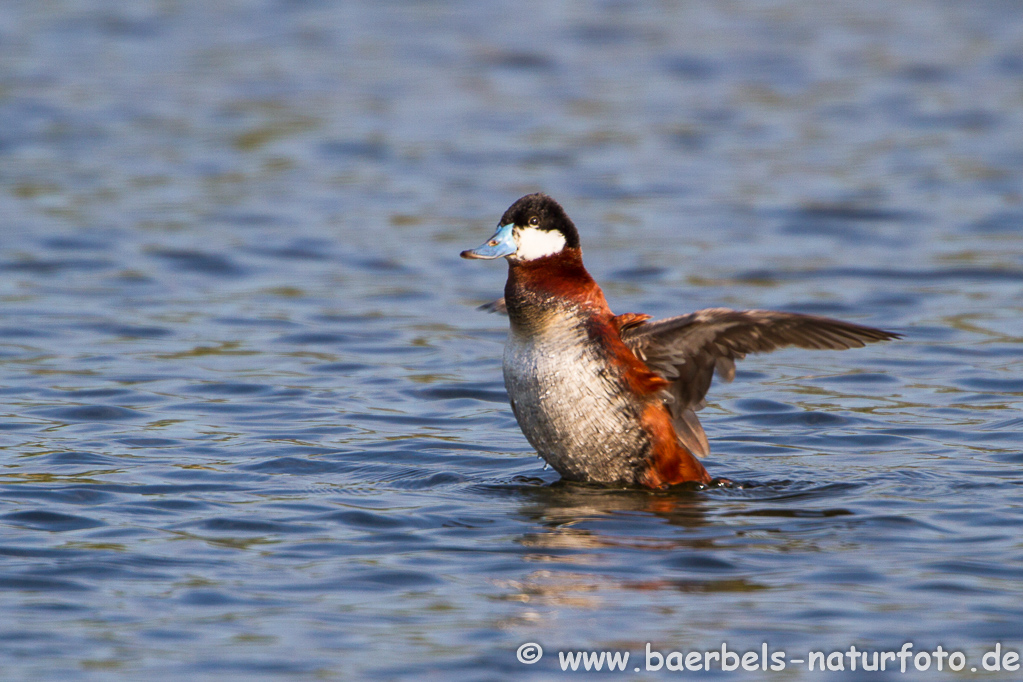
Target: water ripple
{"points": [[49, 521]]}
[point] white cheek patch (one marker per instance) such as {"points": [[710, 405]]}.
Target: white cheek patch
{"points": [[534, 243]]}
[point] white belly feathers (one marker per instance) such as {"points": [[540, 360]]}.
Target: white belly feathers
{"points": [[570, 405]]}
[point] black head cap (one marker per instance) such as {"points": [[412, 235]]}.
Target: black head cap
{"points": [[541, 212]]}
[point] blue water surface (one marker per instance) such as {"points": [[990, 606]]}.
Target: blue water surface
{"points": [[253, 426]]}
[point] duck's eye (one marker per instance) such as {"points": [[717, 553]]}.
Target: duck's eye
{"points": [[534, 221]]}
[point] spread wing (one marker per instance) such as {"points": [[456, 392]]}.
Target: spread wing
{"points": [[688, 349]]}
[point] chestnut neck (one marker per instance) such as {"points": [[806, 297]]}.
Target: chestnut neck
{"points": [[543, 285]]}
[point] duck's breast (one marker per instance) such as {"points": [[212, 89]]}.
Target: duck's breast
{"points": [[573, 403]]}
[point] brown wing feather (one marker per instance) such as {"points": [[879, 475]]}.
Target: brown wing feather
{"points": [[498, 306], [688, 349]]}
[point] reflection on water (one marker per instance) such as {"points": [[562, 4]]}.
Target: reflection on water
{"points": [[253, 425]]}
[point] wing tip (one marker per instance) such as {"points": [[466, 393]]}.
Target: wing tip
{"points": [[498, 306], [690, 432]]}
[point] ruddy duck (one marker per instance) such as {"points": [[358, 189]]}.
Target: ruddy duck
{"points": [[608, 398]]}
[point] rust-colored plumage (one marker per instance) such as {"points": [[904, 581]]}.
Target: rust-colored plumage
{"points": [[670, 462]]}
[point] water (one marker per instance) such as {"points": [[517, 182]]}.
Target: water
{"points": [[254, 428]]}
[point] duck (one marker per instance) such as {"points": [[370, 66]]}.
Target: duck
{"points": [[612, 399]]}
